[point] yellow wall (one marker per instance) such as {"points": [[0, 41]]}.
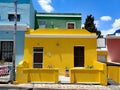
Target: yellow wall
{"points": [[59, 52], [94, 75], [102, 52], [25, 75], [114, 73]]}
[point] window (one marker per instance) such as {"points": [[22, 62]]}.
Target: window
{"points": [[42, 24], [102, 58], [70, 25], [6, 50], [38, 58], [11, 17]]}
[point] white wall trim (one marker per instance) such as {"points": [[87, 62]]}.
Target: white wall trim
{"points": [[59, 36], [113, 37], [5, 40], [52, 15], [13, 12], [11, 27]]}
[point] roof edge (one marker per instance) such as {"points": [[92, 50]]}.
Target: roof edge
{"points": [[59, 14]]}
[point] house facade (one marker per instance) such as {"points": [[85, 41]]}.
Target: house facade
{"points": [[25, 13], [113, 46]]}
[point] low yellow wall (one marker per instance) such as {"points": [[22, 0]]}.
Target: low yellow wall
{"points": [[97, 74], [114, 73], [85, 75], [36, 75], [88, 75]]}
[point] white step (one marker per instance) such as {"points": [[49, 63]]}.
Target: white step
{"points": [[63, 79]]}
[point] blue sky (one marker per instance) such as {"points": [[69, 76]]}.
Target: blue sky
{"points": [[106, 12]]}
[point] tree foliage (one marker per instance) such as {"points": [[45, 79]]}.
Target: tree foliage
{"points": [[90, 26]]}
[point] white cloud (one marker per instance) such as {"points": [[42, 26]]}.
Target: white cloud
{"points": [[115, 26], [105, 18], [109, 31], [45, 5], [96, 22]]}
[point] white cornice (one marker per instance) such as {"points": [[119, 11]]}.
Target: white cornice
{"points": [[59, 36], [113, 37], [52, 15]]}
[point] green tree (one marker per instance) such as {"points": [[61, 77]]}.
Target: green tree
{"points": [[90, 26]]}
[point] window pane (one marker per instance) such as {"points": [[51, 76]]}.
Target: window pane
{"points": [[70, 25], [7, 50], [18, 17], [38, 57], [38, 49], [42, 24], [11, 17], [102, 58]]}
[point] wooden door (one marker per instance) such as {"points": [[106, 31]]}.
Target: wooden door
{"points": [[79, 56]]}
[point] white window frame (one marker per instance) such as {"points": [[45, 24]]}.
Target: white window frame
{"points": [[72, 23], [38, 52]]}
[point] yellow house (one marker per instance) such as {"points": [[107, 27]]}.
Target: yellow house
{"points": [[48, 52]]}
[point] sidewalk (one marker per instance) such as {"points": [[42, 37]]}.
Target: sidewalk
{"points": [[64, 85], [39, 86]]}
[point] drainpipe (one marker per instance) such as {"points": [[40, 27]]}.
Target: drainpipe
{"points": [[14, 46]]}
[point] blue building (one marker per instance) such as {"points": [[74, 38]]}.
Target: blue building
{"points": [[25, 18]]}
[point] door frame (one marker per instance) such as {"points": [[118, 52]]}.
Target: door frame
{"points": [[42, 57], [74, 55]]}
